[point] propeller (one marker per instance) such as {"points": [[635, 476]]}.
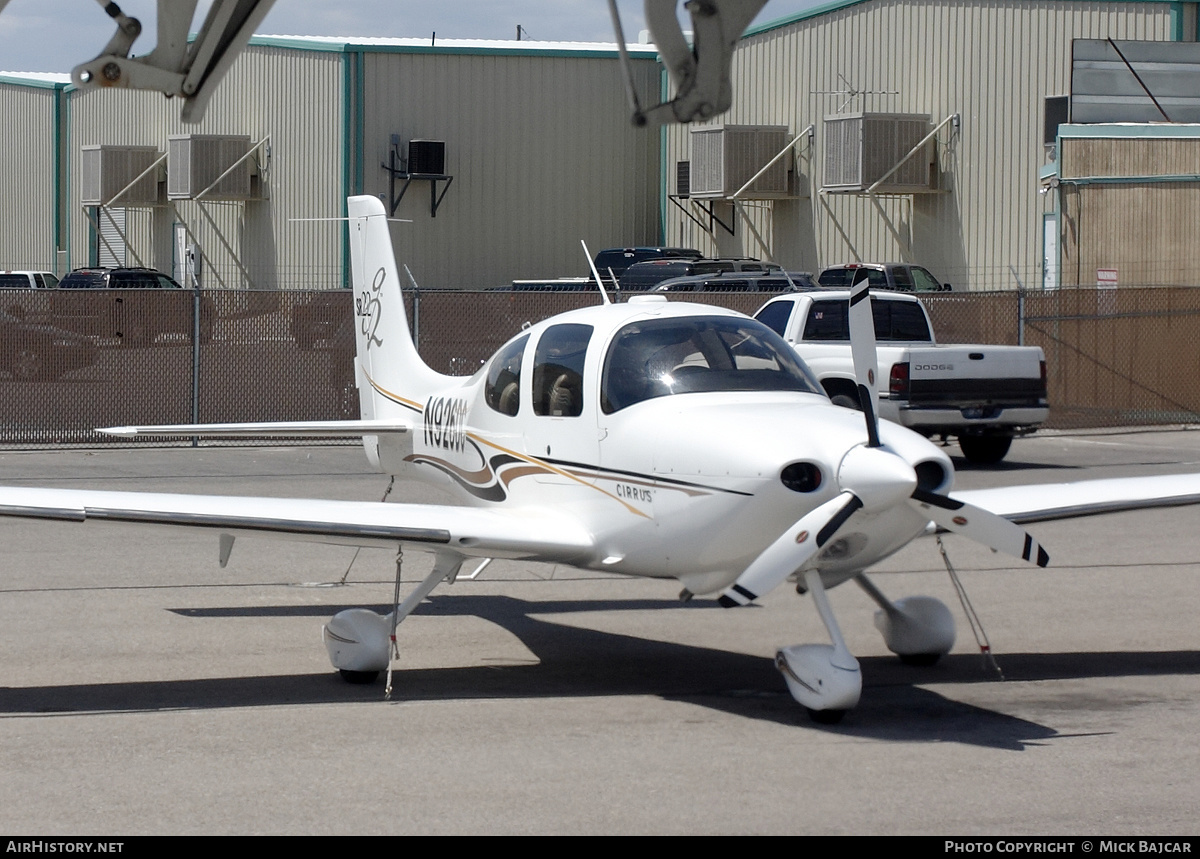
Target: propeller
{"points": [[791, 551], [873, 478], [862, 348], [982, 526]]}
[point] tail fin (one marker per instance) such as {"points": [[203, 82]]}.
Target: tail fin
{"points": [[390, 374]]}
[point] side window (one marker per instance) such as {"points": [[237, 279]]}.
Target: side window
{"points": [[908, 323], [904, 281], [924, 281], [899, 321], [502, 391], [836, 277], [827, 321], [558, 370], [776, 315]]}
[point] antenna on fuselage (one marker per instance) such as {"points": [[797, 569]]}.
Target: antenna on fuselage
{"points": [[595, 274]]}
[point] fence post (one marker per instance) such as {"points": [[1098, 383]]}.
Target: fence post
{"points": [[1020, 307], [195, 359], [416, 333]]}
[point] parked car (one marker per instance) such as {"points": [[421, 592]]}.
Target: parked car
{"points": [[894, 276], [104, 314], [31, 352], [644, 276], [27, 280], [15, 286], [558, 284], [737, 281], [619, 259]]}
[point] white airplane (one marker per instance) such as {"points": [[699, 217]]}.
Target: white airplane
{"points": [[649, 438]]}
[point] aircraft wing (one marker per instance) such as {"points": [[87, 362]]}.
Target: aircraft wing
{"points": [[544, 535], [277, 429], [1044, 502]]}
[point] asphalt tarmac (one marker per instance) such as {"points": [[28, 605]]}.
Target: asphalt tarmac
{"points": [[145, 690]]}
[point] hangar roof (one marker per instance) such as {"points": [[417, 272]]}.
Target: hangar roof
{"points": [[38, 79], [836, 5], [425, 45]]}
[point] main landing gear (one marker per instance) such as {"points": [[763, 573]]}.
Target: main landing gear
{"points": [[361, 642]]}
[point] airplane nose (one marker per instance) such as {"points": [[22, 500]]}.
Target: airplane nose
{"points": [[877, 476]]}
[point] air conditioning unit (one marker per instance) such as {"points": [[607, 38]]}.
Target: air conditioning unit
{"points": [[427, 157], [107, 169], [726, 157], [196, 161], [861, 148]]}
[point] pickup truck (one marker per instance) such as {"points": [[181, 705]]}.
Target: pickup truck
{"points": [[983, 395]]}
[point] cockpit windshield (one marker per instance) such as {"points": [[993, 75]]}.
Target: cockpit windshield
{"points": [[660, 357]]}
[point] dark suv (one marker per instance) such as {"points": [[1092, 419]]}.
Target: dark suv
{"points": [[642, 276], [619, 259], [893, 276], [740, 281], [132, 314]]}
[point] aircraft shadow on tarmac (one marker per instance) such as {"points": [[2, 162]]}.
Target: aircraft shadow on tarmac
{"points": [[577, 662]]}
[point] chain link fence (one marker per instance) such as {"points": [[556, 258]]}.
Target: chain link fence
{"points": [[71, 361]]}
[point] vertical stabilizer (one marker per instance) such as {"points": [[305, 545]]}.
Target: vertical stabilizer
{"points": [[390, 374]]}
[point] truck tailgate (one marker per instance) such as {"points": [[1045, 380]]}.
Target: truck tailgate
{"points": [[975, 374]]}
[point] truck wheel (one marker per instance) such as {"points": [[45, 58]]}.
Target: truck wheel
{"points": [[845, 401], [984, 449]]}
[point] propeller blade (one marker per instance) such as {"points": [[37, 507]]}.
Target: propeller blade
{"points": [[862, 347], [982, 526], [791, 551]]}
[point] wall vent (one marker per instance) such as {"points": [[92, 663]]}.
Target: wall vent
{"points": [[683, 179]]}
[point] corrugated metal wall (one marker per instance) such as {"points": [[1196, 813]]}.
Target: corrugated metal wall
{"points": [[27, 209], [295, 97], [991, 62], [542, 152]]}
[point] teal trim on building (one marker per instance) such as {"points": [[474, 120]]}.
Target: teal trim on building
{"points": [[347, 113], [1146, 130]]}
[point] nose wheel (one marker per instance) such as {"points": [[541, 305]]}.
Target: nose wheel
{"points": [[824, 679]]}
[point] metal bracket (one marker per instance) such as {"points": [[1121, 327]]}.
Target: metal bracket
{"points": [[707, 209], [395, 169]]}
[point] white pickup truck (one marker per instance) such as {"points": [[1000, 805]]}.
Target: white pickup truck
{"points": [[983, 395]]}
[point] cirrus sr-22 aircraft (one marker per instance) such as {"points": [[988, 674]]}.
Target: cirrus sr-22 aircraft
{"points": [[616, 438]]}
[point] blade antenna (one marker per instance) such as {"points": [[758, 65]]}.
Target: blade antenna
{"points": [[595, 274]]}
